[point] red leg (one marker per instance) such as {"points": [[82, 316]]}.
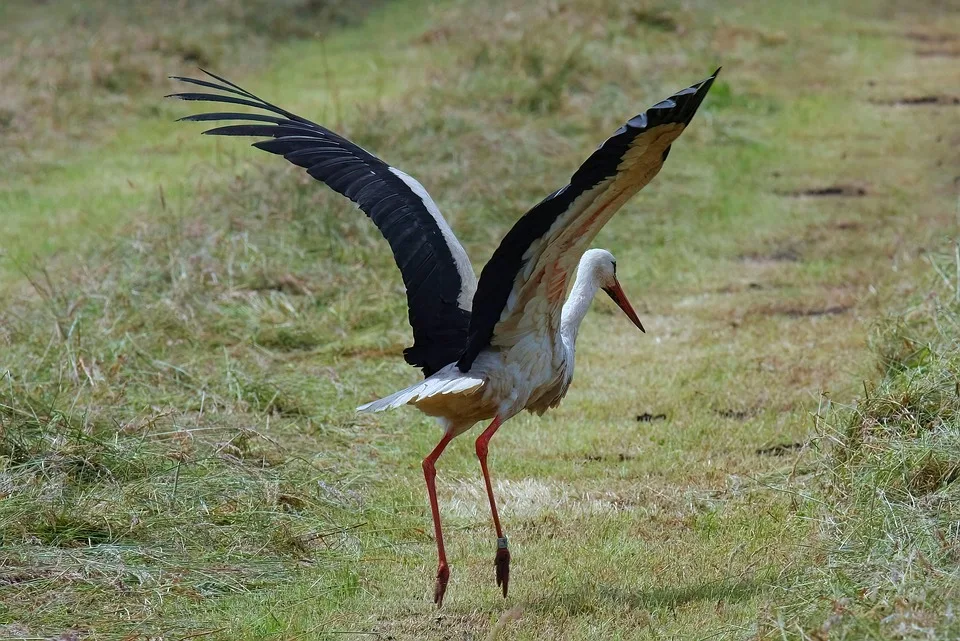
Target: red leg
{"points": [[430, 474], [502, 560]]}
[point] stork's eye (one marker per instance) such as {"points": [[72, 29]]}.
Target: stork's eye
{"points": [[614, 266]]}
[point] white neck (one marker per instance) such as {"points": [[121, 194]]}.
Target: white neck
{"points": [[581, 295]]}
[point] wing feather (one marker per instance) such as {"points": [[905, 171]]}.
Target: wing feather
{"points": [[518, 293], [436, 271]]}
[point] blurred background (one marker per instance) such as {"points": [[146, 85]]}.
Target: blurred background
{"points": [[186, 324]]}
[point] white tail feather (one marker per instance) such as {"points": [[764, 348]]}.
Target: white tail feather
{"points": [[448, 380]]}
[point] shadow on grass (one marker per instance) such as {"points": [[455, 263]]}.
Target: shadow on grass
{"points": [[593, 597]]}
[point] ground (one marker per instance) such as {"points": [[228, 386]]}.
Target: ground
{"points": [[188, 324]]}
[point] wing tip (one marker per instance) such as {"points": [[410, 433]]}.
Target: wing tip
{"points": [[689, 103], [678, 108], [702, 89], [706, 83]]}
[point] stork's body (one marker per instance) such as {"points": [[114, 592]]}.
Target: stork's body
{"points": [[533, 374], [492, 347]]}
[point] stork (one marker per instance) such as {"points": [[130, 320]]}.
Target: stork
{"points": [[494, 347]]}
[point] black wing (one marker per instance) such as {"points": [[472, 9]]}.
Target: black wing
{"points": [[535, 261], [436, 271]]}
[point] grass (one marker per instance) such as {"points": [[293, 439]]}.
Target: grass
{"points": [[890, 515], [188, 326]]}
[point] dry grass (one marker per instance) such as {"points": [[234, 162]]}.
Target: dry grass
{"points": [[888, 523], [111, 56], [188, 327]]}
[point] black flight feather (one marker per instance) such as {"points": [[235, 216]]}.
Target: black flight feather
{"points": [[499, 274], [426, 262]]}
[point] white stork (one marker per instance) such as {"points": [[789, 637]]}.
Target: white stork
{"points": [[493, 347]]}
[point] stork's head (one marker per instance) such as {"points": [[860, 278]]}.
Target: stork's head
{"points": [[604, 268]]}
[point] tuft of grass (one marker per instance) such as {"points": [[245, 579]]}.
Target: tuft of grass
{"points": [[109, 55], [891, 500], [83, 77], [110, 514]]}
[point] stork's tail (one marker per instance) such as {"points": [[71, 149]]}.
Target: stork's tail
{"points": [[449, 380]]}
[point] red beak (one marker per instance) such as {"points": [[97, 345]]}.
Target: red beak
{"points": [[616, 293]]}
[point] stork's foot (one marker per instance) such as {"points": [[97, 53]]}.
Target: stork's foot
{"points": [[443, 575], [502, 563]]}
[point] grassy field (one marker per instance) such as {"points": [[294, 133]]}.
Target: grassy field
{"points": [[187, 325]]}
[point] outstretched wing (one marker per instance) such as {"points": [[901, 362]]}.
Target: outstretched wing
{"points": [[436, 271], [522, 288]]}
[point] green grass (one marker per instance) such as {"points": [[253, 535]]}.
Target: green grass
{"points": [[889, 483], [188, 325]]}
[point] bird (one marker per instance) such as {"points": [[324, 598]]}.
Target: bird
{"points": [[491, 347]]}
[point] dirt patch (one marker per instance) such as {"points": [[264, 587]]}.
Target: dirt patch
{"points": [[736, 415], [847, 226], [937, 53], [829, 305], [923, 36], [780, 449], [788, 255], [840, 190], [740, 288], [919, 101], [781, 255], [833, 310], [658, 20], [728, 37], [440, 35], [647, 417], [606, 458]]}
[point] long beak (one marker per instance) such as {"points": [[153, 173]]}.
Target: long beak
{"points": [[616, 293]]}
